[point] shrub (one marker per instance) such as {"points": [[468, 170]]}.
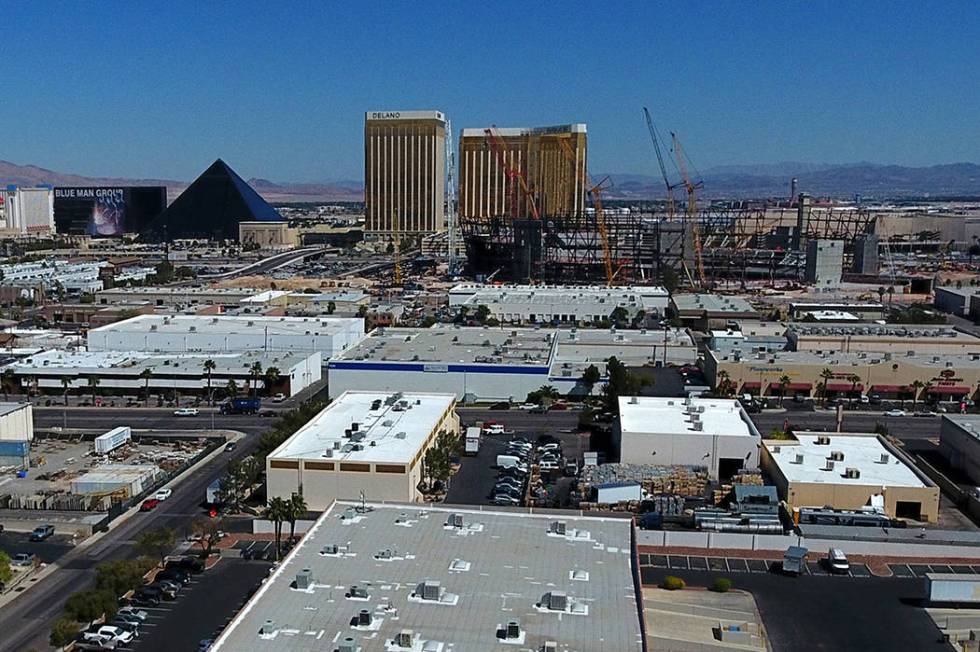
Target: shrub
{"points": [[721, 585], [86, 606], [63, 632], [672, 583], [122, 575]]}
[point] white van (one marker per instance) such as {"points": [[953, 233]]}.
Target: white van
{"points": [[837, 561], [509, 461]]}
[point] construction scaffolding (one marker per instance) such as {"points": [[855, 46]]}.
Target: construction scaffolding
{"points": [[737, 244]]}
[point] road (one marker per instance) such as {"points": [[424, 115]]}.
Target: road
{"points": [[268, 264], [905, 428], [26, 621]]}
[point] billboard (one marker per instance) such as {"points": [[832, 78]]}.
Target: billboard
{"points": [[107, 211]]}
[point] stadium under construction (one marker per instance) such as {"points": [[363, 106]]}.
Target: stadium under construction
{"points": [[725, 244]]}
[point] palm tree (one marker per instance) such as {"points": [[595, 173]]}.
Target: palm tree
{"points": [[65, 384], [145, 376], [881, 293], [277, 512], [916, 386], [891, 294], [854, 378], [783, 384], [271, 378], [253, 376], [826, 374], [297, 507], [93, 383], [232, 388], [7, 380], [209, 366], [724, 383]]}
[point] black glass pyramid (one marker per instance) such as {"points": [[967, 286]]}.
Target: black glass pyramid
{"points": [[212, 207]]}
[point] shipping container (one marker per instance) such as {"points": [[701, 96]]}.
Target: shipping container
{"points": [[113, 439], [14, 448]]}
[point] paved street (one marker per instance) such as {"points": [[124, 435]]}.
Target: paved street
{"points": [[28, 618], [906, 428], [145, 419]]}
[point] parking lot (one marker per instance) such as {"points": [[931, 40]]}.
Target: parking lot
{"points": [[738, 565], [202, 608], [47, 551], [920, 570]]}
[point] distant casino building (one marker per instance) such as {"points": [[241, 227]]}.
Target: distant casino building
{"points": [[404, 172], [107, 211], [553, 172]]}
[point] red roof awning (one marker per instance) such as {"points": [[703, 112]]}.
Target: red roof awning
{"points": [[752, 384], [949, 389], [793, 387], [892, 388], [844, 387]]}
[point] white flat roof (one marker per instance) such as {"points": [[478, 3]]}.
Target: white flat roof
{"points": [[231, 325], [861, 451], [659, 415], [397, 429]]}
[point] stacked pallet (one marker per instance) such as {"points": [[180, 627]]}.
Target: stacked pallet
{"points": [[724, 491]]}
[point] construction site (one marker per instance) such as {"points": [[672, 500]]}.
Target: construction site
{"points": [[515, 229]]}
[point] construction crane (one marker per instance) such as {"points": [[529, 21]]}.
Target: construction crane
{"points": [[660, 161], [595, 189], [498, 146], [451, 225], [692, 206], [395, 236]]}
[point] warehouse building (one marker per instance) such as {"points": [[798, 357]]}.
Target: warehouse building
{"points": [[122, 480], [920, 339], [201, 333], [810, 374], [496, 364], [704, 312], [131, 372], [369, 443], [866, 311], [750, 337], [390, 577], [963, 302], [530, 304], [959, 443], [178, 297], [16, 434], [713, 433], [850, 471]]}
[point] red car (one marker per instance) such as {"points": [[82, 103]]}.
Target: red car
{"points": [[148, 504]]}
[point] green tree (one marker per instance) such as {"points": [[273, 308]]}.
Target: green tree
{"points": [[591, 376], [272, 375], [254, 372], [156, 542], [145, 376], [7, 380], [916, 386], [296, 507], [6, 574], [544, 395], [63, 631], [619, 315], [92, 604], [724, 383], [331, 307], [620, 382], [121, 575], [826, 374], [784, 382], [277, 512], [207, 532], [209, 366], [231, 388], [93, 383], [482, 313]]}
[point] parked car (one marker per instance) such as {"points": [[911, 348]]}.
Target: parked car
{"points": [[23, 559], [149, 505], [506, 501], [111, 632], [539, 409], [126, 626], [42, 532], [192, 565], [837, 561], [174, 575], [502, 405], [279, 398], [168, 590], [147, 595], [163, 494], [186, 412], [230, 446], [528, 406], [128, 618], [495, 429], [894, 413], [205, 645], [132, 612]]}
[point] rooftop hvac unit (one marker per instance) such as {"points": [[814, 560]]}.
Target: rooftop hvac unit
{"points": [[304, 579], [401, 435], [328, 452], [829, 466], [347, 644], [513, 630], [837, 456], [822, 441], [884, 459], [634, 400], [852, 473], [431, 590], [358, 591], [798, 459], [355, 426], [776, 449], [329, 549], [357, 436], [363, 618], [558, 527], [698, 426], [404, 638], [336, 445], [555, 601], [549, 646]]}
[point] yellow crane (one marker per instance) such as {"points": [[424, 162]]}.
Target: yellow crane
{"points": [[595, 189], [692, 206]]}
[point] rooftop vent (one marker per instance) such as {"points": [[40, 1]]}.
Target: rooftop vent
{"points": [[555, 601], [431, 590], [347, 644], [268, 629], [822, 441], [329, 549], [357, 592], [512, 631], [884, 459], [455, 520], [558, 527], [798, 459], [549, 646], [837, 456], [404, 639], [383, 554], [304, 579], [363, 618], [829, 466], [852, 473]]}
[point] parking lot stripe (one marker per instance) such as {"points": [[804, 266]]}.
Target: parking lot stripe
{"points": [[962, 570], [677, 562], [920, 570], [738, 565], [901, 570], [717, 564], [698, 563], [658, 561]]}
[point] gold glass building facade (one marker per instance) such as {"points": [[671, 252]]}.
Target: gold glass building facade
{"points": [[553, 172], [404, 171]]}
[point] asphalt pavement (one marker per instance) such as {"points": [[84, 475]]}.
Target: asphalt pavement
{"points": [[146, 419], [26, 621], [907, 427]]}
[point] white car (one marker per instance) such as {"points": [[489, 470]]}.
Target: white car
{"points": [[163, 494], [186, 412], [133, 611], [109, 632], [895, 413], [279, 398], [529, 406], [495, 429]]}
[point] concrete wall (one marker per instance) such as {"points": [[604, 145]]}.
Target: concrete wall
{"points": [[17, 425], [695, 449], [486, 386], [961, 448]]}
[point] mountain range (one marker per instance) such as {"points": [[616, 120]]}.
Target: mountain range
{"points": [[728, 181]]}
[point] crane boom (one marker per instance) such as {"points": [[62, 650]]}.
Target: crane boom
{"points": [[497, 145], [660, 161], [692, 205], [595, 189]]}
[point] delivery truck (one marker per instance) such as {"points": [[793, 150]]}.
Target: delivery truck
{"points": [[242, 405], [473, 437]]}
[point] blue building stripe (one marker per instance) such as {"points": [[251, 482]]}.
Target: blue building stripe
{"points": [[438, 368]]}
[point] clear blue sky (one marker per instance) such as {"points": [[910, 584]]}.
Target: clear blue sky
{"points": [[279, 89]]}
